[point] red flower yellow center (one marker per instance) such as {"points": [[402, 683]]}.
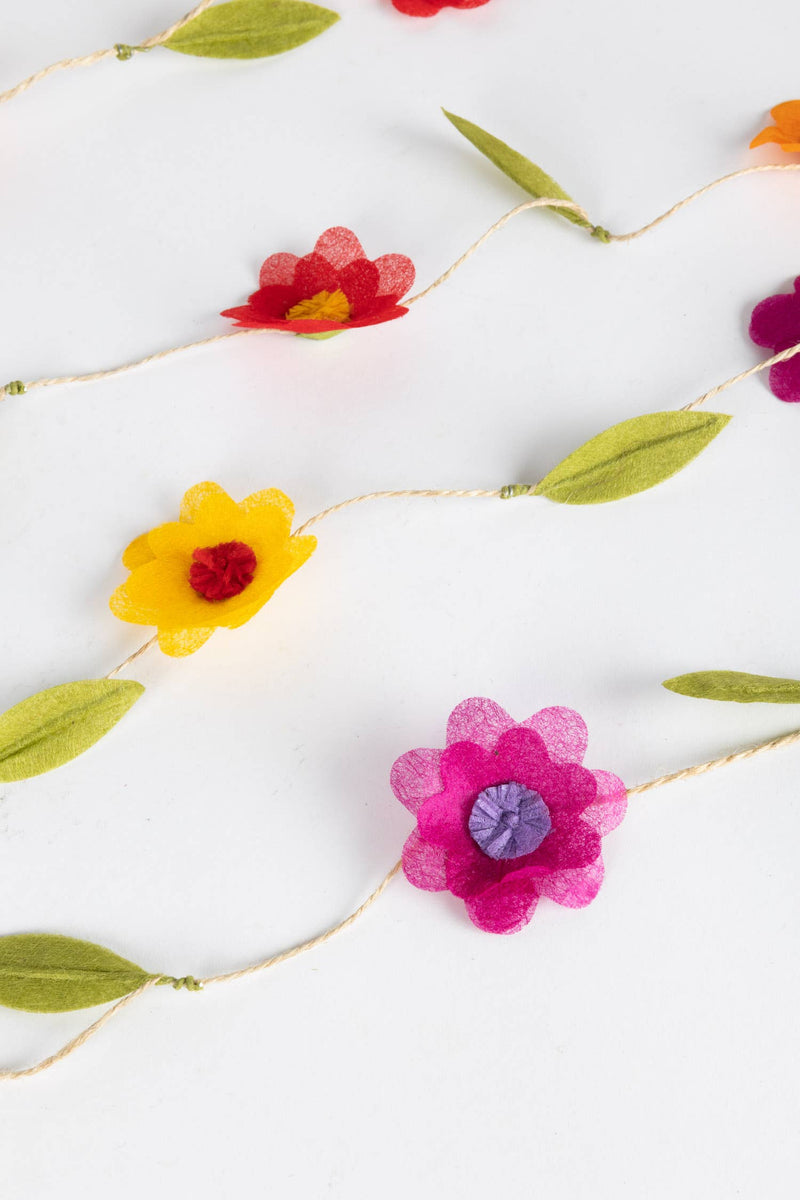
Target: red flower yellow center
{"points": [[325, 306], [219, 572]]}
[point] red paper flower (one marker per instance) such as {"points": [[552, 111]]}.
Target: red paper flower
{"points": [[335, 287], [429, 8]]}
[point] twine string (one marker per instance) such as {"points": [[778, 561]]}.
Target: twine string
{"points": [[19, 387], [121, 52], [274, 960]]}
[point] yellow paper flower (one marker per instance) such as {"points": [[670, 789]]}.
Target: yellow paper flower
{"points": [[214, 568]]}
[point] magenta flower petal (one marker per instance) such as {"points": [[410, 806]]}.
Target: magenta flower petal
{"points": [[424, 864], [504, 908], [573, 888], [478, 720], [784, 380], [610, 805], [416, 776], [775, 324], [563, 731]]}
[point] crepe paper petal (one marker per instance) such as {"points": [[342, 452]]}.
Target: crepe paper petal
{"points": [[631, 457], [45, 972], [786, 130], [51, 728], [334, 288], [415, 776], [429, 8], [563, 731], [251, 29], [737, 686], [516, 166], [214, 568], [505, 816], [775, 324]]}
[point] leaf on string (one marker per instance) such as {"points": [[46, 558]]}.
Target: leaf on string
{"points": [[533, 179], [251, 28], [57, 725], [45, 972], [631, 457], [737, 686]]}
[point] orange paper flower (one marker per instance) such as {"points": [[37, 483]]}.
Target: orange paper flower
{"points": [[786, 130], [214, 568]]}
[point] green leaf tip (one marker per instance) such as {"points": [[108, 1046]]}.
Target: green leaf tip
{"points": [[251, 28], [631, 457], [516, 166], [45, 972], [736, 686], [51, 728]]}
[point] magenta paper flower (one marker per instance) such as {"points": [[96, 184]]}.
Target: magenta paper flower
{"points": [[507, 814], [775, 323]]}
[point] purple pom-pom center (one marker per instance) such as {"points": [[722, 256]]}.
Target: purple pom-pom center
{"points": [[509, 820]]}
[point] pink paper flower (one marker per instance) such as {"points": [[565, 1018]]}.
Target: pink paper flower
{"points": [[507, 814], [775, 323], [429, 8]]}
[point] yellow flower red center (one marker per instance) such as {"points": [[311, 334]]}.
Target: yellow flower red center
{"points": [[219, 572], [324, 306]]}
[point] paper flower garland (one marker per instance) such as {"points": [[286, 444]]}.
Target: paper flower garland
{"points": [[786, 130], [506, 814], [429, 8], [775, 323], [214, 568], [333, 288]]}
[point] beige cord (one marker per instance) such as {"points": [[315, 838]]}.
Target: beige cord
{"points": [[275, 960], [17, 387], [88, 60]]}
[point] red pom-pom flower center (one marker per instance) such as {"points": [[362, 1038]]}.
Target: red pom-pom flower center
{"points": [[219, 572]]}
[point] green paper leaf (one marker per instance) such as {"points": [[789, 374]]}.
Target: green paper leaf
{"points": [[251, 28], [737, 686], [45, 972], [631, 457], [533, 179], [54, 726]]}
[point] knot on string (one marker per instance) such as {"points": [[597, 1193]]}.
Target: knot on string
{"points": [[15, 388], [188, 982], [125, 52], [601, 234], [512, 490]]}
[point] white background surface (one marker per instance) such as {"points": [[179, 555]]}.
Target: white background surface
{"points": [[644, 1047]]}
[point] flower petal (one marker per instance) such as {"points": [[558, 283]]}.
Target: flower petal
{"points": [[138, 552], [607, 811], [505, 908], [775, 322], [270, 303], [478, 720], [339, 246], [784, 380], [416, 776], [563, 732], [396, 275], [314, 274], [278, 270], [424, 864], [787, 117], [359, 282], [573, 888], [177, 643], [206, 498]]}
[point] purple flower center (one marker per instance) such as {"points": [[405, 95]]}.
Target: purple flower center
{"points": [[509, 820]]}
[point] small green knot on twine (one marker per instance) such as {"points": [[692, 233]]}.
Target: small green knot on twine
{"points": [[601, 234], [512, 490], [187, 981], [125, 52], [15, 388]]}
